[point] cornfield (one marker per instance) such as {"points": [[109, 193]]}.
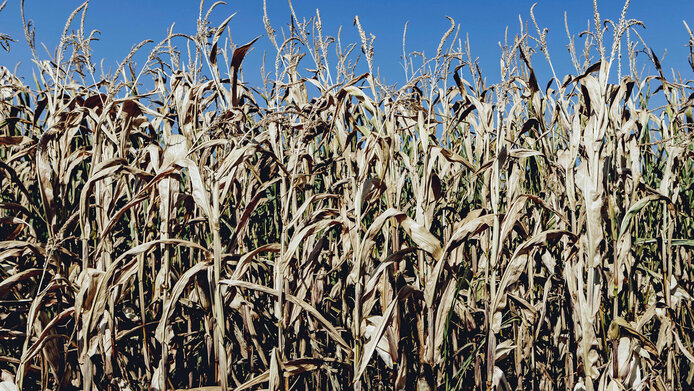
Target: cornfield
{"points": [[169, 226]]}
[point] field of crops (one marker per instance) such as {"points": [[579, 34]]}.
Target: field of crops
{"points": [[170, 226]]}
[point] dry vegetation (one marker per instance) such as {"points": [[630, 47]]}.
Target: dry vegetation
{"points": [[169, 226]]}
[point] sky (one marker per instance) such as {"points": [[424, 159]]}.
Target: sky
{"points": [[124, 23]]}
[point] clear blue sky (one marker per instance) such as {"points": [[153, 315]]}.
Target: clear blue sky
{"points": [[126, 22]]}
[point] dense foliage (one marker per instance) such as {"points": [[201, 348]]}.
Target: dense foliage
{"points": [[170, 226]]}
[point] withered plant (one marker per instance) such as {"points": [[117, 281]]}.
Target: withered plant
{"points": [[169, 226]]}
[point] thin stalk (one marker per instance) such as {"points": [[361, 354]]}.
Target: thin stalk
{"points": [[218, 308]]}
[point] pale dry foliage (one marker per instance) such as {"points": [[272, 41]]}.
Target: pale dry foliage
{"points": [[328, 231]]}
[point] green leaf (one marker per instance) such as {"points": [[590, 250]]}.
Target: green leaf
{"points": [[636, 208]]}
